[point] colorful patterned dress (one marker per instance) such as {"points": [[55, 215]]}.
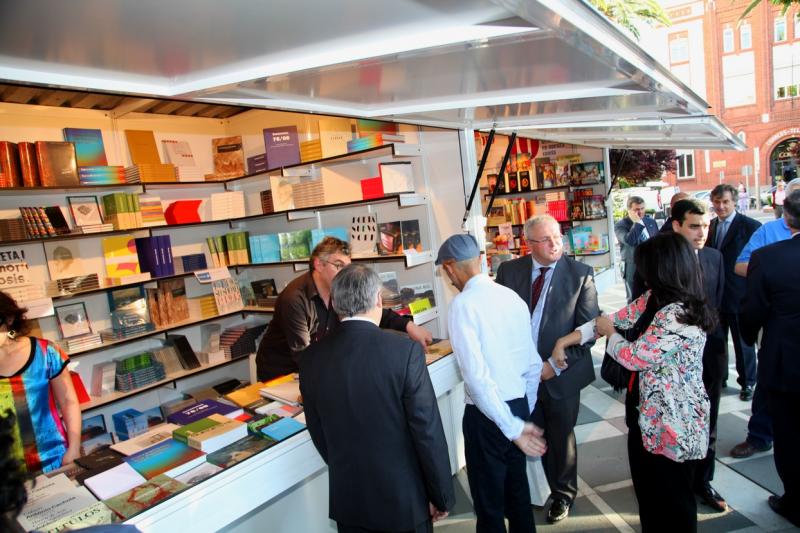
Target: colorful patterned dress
{"points": [[40, 438]]}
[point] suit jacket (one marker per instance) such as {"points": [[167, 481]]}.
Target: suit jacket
{"points": [[373, 417], [771, 304], [628, 235], [571, 301], [739, 232], [667, 226]]}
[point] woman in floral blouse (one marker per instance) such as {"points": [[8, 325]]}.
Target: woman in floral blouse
{"points": [[667, 409]]}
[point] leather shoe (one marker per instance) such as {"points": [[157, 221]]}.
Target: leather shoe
{"points": [[746, 394], [776, 504], [745, 449], [559, 510], [712, 498]]}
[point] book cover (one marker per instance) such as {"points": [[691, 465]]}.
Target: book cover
{"points": [[228, 156], [334, 133], [545, 173], [29, 168], [363, 235], [411, 236], [211, 433], [95, 514], [57, 164], [9, 164], [246, 395], [586, 173], [287, 392], [179, 153], [390, 241], [282, 146], [186, 355], [397, 177], [282, 429], [64, 259], [145, 440], [144, 496], [198, 474], [113, 481], [199, 410], [227, 295], [120, 256], [128, 308], [142, 146], [60, 500], [183, 212], [89, 149], [239, 451], [295, 245], [167, 457]]}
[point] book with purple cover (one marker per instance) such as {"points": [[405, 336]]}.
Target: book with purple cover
{"points": [[282, 146], [203, 409]]}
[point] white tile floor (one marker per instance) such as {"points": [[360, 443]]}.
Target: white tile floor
{"points": [[605, 498]]}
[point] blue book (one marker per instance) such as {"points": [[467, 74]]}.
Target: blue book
{"points": [[168, 457], [192, 262], [89, 149], [318, 234], [283, 429], [282, 146], [270, 248]]}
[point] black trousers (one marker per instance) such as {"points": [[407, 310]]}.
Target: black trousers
{"points": [[783, 408], [715, 362], [663, 488], [496, 471], [558, 418], [425, 527], [745, 353]]}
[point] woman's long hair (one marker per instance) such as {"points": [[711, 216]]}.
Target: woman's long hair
{"points": [[671, 270]]}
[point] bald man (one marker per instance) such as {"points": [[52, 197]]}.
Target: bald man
{"points": [[678, 196]]}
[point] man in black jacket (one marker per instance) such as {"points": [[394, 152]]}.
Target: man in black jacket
{"points": [[372, 414], [729, 234], [771, 304]]}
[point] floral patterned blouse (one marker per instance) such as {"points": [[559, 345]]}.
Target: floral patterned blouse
{"points": [[673, 406]]}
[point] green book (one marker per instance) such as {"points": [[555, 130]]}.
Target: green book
{"points": [[295, 245], [222, 250], [182, 433]]}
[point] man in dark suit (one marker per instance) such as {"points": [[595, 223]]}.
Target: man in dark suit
{"points": [[561, 296], [729, 234], [771, 304], [373, 417], [677, 197], [631, 231]]}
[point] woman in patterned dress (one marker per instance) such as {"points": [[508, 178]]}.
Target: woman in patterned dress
{"points": [[667, 409], [34, 386]]}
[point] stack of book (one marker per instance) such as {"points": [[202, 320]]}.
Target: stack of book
{"points": [[179, 153], [82, 342], [265, 248], [150, 172], [308, 193], [90, 154], [95, 228], [211, 433], [167, 303], [310, 150], [13, 229], [44, 221], [122, 210], [229, 249], [191, 262], [266, 202], [152, 211], [155, 255], [227, 205], [371, 141], [103, 175], [168, 356], [257, 163], [129, 423], [72, 285], [240, 341], [138, 371], [206, 306]]}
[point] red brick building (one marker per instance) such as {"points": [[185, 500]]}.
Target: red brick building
{"points": [[749, 73]]}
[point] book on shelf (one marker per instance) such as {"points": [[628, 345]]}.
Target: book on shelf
{"points": [[228, 157], [168, 457], [64, 263], [103, 378], [13, 229], [227, 295], [239, 451], [240, 341], [184, 351], [264, 292], [226, 205], [282, 146], [28, 166], [129, 313], [372, 188], [397, 176], [183, 212], [57, 164], [69, 285], [9, 165], [310, 150], [265, 248], [586, 173], [594, 206], [389, 242], [144, 496], [211, 433], [168, 356], [410, 235], [334, 134], [287, 392], [106, 175], [236, 244], [372, 141], [152, 211], [142, 147], [120, 256], [308, 192], [258, 163], [209, 337], [151, 172], [266, 202], [295, 245], [563, 168], [145, 440], [50, 500], [191, 262], [168, 303], [89, 148], [545, 173], [317, 235], [366, 127], [199, 410], [82, 342], [178, 153], [363, 235], [114, 481]]}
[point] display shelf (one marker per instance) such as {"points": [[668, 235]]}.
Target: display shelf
{"points": [[107, 288], [259, 309], [511, 194], [99, 401], [157, 331], [587, 219], [70, 236], [57, 189], [411, 260]]}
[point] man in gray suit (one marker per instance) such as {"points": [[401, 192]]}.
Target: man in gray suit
{"points": [[561, 296], [632, 231]]}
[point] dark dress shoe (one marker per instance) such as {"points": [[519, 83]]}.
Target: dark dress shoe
{"points": [[559, 510], [776, 504], [712, 498], [746, 394], [745, 449]]}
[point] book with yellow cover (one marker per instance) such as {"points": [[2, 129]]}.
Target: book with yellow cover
{"points": [[246, 395], [142, 146], [334, 133], [120, 256]]}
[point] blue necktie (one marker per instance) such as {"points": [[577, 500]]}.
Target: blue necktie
{"points": [[722, 229]]}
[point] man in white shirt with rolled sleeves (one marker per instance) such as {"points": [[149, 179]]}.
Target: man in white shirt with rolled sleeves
{"points": [[490, 332]]}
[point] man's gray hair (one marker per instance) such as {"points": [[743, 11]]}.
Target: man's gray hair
{"points": [[634, 200], [535, 221], [792, 186], [354, 290]]}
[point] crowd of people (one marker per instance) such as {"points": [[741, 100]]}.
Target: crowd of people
{"points": [[523, 346]]}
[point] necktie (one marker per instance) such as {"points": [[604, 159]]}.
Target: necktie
{"points": [[536, 288], [722, 229]]}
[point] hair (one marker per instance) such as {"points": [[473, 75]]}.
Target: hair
{"points": [[677, 197], [12, 477], [535, 221], [634, 200], [686, 207], [791, 210], [326, 247], [13, 315], [354, 290], [722, 188], [792, 185], [670, 269]]}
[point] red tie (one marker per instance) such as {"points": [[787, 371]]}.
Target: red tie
{"points": [[536, 288]]}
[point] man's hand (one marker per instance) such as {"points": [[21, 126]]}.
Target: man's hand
{"points": [[436, 514], [547, 372], [559, 356], [531, 441], [605, 327], [419, 334], [634, 216]]}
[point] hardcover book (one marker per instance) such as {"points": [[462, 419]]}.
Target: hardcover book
{"points": [[410, 235], [282, 429], [57, 164], [89, 149], [145, 440], [9, 165], [113, 481], [586, 173], [179, 153], [144, 496], [168, 457], [390, 242], [128, 308], [228, 157], [397, 176], [239, 451], [334, 133], [282, 146], [199, 410], [28, 166], [142, 146], [545, 173], [211, 433], [120, 256], [363, 235]]}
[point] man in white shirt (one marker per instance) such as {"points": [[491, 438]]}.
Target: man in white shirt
{"points": [[490, 333]]}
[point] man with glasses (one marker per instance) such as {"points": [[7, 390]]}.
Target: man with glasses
{"points": [[561, 296], [303, 313]]}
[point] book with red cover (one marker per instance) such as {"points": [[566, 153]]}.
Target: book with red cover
{"points": [[372, 188], [183, 212], [57, 164], [28, 166], [80, 389], [9, 165]]}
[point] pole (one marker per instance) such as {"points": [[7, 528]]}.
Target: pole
{"points": [[485, 155], [502, 174]]}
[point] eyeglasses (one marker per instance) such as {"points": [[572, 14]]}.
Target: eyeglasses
{"points": [[338, 265], [553, 240]]}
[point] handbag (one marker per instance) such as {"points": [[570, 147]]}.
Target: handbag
{"points": [[611, 371]]}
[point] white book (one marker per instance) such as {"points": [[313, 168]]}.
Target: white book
{"points": [[54, 503], [397, 176], [114, 481], [145, 440], [179, 153], [287, 392]]}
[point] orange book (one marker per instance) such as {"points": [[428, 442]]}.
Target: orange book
{"points": [[142, 146]]}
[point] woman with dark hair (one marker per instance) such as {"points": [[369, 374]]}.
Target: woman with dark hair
{"points": [[34, 386], [666, 408]]}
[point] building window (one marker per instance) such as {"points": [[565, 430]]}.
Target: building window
{"points": [[742, 136], [685, 164], [727, 39], [797, 25], [786, 70], [738, 79], [679, 51], [745, 37], [780, 30]]}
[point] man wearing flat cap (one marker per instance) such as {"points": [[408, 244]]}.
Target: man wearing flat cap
{"points": [[490, 332]]}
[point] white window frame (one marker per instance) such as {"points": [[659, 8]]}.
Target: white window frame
{"points": [[797, 25], [781, 21], [728, 44], [746, 43], [684, 156], [672, 56]]}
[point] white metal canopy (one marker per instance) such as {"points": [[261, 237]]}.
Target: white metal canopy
{"points": [[451, 63]]}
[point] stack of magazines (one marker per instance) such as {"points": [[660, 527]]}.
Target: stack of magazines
{"points": [[138, 371], [82, 342]]}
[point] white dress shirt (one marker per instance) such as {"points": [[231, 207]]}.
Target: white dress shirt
{"points": [[490, 332], [536, 316]]}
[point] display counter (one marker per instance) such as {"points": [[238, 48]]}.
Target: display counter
{"points": [[285, 487]]}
